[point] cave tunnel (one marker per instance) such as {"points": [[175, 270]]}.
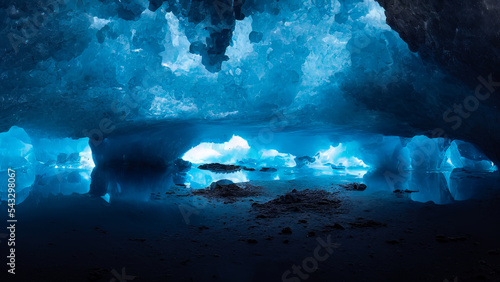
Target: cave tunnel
{"points": [[247, 140]]}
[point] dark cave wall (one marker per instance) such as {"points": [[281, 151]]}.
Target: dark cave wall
{"points": [[462, 38]]}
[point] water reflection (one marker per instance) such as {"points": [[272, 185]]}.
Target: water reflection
{"points": [[59, 180], [137, 181], [144, 183], [438, 187]]}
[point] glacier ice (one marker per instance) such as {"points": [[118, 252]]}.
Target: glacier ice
{"points": [[392, 153], [314, 86], [325, 64], [427, 154], [44, 166], [427, 169], [63, 165], [385, 153], [63, 152], [238, 151], [466, 156], [16, 153], [430, 187]]}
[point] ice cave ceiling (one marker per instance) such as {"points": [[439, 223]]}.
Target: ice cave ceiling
{"points": [[197, 70]]}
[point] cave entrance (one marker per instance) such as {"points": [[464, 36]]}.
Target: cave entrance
{"points": [[239, 161], [421, 168]]}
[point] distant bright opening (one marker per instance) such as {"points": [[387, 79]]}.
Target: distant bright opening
{"points": [[227, 152], [337, 157], [237, 151]]}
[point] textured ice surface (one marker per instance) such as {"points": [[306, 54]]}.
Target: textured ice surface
{"points": [[391, 153], [385, 152], [465, 155], [429, 187], [63, 166], [427, 154], [148, 80], [95, 67]]}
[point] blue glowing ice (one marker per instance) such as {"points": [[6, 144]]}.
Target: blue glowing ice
{"points": [[318, 62], [157, 77], [16, 153], [60, 166]]}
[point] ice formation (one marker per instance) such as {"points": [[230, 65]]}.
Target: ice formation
{"points": [[42, 165], [321, 85], [322, 63], [466, 156], [63, 166], [16, 154]]}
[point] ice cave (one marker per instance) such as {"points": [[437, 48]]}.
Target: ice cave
{"points": [[250, 140]]}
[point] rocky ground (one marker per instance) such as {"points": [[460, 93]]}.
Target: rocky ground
{"points": [[298, 230]]}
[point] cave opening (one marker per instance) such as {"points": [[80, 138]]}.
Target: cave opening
{"points": [[248, 140], [425, 169]]}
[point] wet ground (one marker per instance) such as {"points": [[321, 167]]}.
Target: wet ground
{"points": [[370, 235]]}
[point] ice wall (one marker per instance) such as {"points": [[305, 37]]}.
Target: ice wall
{"points": [[385, 153], [63, 165], [16, 153], [148, 80], [391, 153], [427, 154], [44, 166], [466, 156], [63, 152]]}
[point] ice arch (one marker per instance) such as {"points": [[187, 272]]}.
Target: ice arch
{"points": [[44, 165]]}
